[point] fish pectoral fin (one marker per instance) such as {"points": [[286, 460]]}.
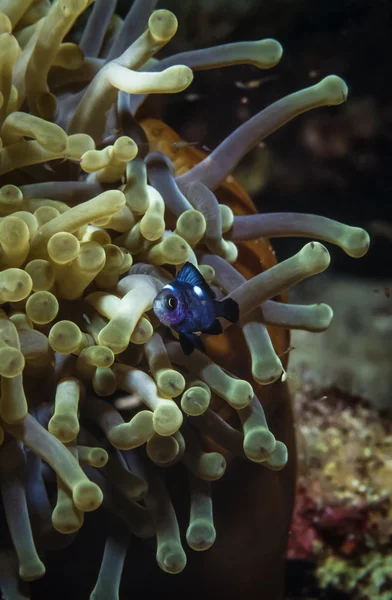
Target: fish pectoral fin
{"points": [[190, 341], [214, 329]]}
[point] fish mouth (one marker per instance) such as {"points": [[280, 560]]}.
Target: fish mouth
{"points": [[157, 308]]}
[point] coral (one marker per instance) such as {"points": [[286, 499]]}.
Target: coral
{"points": [[369, 579], [98, 210], [342, 517]]}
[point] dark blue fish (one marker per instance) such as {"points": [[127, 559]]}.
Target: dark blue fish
{"points": [[188, 305]]}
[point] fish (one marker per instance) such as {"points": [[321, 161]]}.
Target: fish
{"points": [[182, 144], [188, 305], [253, 84]]}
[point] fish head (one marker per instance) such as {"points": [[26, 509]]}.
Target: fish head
{"points": [[170, 306]]}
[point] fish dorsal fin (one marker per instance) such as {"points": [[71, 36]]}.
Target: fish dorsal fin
{"points": [[189, 274]]}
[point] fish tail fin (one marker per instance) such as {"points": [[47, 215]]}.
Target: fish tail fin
{"points": [[228, 309]]}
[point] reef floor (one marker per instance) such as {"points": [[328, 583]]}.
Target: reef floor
{"points": [[341, 381]]}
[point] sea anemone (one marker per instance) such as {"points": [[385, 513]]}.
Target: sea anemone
{"points": [[99, 209]]}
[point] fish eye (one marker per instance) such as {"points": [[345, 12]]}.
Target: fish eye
{"points": [[171, 302]]}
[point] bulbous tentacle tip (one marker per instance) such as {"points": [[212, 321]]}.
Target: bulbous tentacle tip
{"points": [[87, 496], [272, 52], [182, 76], [315, 256], [278, 459], [357, 242], [259, 444], [334, 89], [162, 25], [323, 314], [171, 558], [201, 535], [32, 570]]}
